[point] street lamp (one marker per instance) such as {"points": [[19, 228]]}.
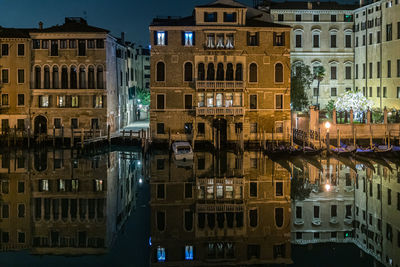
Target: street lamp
{"points": [[327, 126]]}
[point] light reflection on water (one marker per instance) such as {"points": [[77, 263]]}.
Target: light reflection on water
{"points": [[222, 208]]}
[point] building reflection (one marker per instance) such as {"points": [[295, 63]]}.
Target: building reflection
{"points": [[218, 209], [361, 205], [52, 203]]}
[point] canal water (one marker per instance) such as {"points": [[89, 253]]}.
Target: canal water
{"points": [[222, 209]]}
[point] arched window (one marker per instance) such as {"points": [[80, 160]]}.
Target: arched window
{"points": [[64, 77], [82, 78], [278, 73], [160, 72], [46, 77], [229, 72], [279, 217], [55, 77], [91, 78], [239, 72], [188, 72], [73, 78], [220, 72], [201, 72], [37, 77], [210, 72], [100, 80], [253, 72]]}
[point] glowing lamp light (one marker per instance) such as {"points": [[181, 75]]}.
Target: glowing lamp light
{"points": [[328, 187], [327, 125], [140, 181]]}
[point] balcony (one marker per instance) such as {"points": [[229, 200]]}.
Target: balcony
{"points": [[219, 85], [220, 111]]}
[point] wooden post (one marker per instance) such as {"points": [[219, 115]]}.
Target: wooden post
{"points": [[370, 135], [82, 138], [123, 135], [355, 136], [62, 135], [272, 131], [15, 135], [338, 137], [54, 136], [109, 134], [130, 135], [389, 139], [29, 137], [72, 137]]}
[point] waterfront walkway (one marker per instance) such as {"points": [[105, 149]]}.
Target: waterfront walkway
{"points": [[138, 125]]}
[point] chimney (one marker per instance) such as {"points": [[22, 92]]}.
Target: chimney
{"points": [[309, 5], [40, 25], [123, 37]]}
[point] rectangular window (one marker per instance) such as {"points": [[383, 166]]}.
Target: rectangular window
{"points": [[378, 37], [90, 44], [160, 128], [36, 44], [348, 41], [384, 92], [370, 39], [298, 40], [334, 211], [398, 92], [63, 44], [333, 18], [21, 100], [210, 17], [398, 67], [98, 101], [370, 70], [333, 72], [378, 92], [298, 17], [252, 38], [4, 50], [378, 69], [188, 102], [316, 18], [316, 211], [333, 40], [348, 73], [4, 100], [279, 189], [160, 101], [356, 71], [279, 39], [253, 101], [278, 101], [100, 43], [188, 38], [253, 189], [299, 212], [201, 128], [4, 76], [21, 76], [21, 210], [45, 44], [389, 69], [75, 101], [315, 91], [364, 70], [333, 92], [363, 40], [279, 127], [389, 196], [95, 123], [280, 17], [21, 50], [81, 48], [160, 191], [5, 211], [21, 187], [370, 92], [230, 17], [253, 127], [74, 123], [316, 41], [398, 29], [54, 48], [57, 123], [72, 44], [388, 32]]}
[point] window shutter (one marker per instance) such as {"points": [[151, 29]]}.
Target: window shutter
{"points": [[166, 38], [248, 38], [194, 38], [155, 38], [257, 38], [50, 101], [183, 38]]}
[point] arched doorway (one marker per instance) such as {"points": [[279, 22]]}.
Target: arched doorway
{"points": [[40, 125]]}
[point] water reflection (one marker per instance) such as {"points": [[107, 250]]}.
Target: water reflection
{"points": [[54, 203]]}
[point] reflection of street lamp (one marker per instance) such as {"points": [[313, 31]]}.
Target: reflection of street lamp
{"points": [[327, 187], [327, 126]]}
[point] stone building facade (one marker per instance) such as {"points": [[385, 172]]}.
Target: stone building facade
{"points": [[227, 210], [377, 54], [221, 74], [322, 35]]}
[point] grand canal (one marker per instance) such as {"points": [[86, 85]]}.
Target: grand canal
{"points": [[124, 209]]}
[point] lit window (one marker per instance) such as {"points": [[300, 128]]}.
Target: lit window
{"points": [[61, 101], [160, 38], [44, 185], [188, 38], [61, 185], [98, 185], [188, 253], [98, 101], [75, 101], [160, 254], [44, 101]]}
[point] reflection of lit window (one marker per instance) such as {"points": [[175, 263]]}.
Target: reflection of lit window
{"points": [[188, 38], [210, 100], [61, 101], [98, 101], [61, 185], [98, 185], [228, 100], [75, 184], [44, 185], [220, 191], [200, 99], [201, 192], [160, 254], [220, 41], [160, 38], [189, 253], [219, 100], [44, 101], [210, 40], [237, 100], [229, 41], [210, 192], [75, 101], [229, 191]]}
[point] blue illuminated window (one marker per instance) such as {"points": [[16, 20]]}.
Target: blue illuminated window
{"points": [[188, 38], [161, 38], [189, 253], [210, 17], [160, 254]]}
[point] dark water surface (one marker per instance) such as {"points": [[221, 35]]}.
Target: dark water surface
{"points": [[222, 209]]}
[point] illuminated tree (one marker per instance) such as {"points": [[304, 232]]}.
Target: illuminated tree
{"points": [[355, 101]]}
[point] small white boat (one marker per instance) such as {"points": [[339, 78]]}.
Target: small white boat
{"points": [[182, 151]]}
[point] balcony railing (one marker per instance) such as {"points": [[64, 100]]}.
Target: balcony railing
{"points": [[220, 85], [220, 111]]}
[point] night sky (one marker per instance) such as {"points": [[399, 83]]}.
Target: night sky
{"points": [[130, 16]]}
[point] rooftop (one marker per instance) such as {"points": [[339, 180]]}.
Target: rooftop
{"points": [[72, 24], [224, 4], [13, 33], [313, 5]]}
